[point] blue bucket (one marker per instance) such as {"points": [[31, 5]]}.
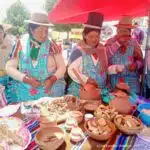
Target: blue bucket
{"points": [[144, 117]]}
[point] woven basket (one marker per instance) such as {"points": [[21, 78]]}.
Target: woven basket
{"points": [[101, 137], [129, 131]]}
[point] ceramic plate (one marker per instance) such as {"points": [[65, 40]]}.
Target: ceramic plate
{"points": [[17, 125], [9, 110]]}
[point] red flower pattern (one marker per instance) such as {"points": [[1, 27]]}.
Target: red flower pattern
{"points": [[33, 91]]}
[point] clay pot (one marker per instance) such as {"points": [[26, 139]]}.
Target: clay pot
{"points": [[46, 132], [92, 94], [77, 115], [45, 122], [45, 125], [91, 107], [122, 105], [123, 86]]}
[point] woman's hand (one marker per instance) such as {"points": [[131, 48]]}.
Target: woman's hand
{"points": [[49, 82], [32, 81]]}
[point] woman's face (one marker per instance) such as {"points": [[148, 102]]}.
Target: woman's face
{"points": [[123, 31], [1, 34], [40, 33], [92, 38]]}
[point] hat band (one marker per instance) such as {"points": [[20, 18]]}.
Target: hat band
{"points": [[91, 26]]}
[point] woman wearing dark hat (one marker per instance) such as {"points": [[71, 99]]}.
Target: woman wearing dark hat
{"points": [[127, 62], [89, 58], [41, 66]]}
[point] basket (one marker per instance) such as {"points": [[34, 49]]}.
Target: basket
{"points": [[109, 113], [129, 131], [90, 107], [49, 145], [101, 137]]}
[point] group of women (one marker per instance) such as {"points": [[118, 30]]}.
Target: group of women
{"points": [[37, 67]]}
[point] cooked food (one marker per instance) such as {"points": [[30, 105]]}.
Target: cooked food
{"points": [[73, 103], [128, 121], [99, 126], [105, 112], [3, 145], [58, 107], [52, 137], [10, 136], [54, 111]]}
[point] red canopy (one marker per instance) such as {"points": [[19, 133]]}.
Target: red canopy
{"points": [[76, 11]]}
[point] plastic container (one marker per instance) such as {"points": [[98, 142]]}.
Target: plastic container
{"points": [[143, 116]]}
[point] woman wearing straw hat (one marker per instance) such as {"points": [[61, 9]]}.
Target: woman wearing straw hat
{"points": [[6, 46], [89, 58], [127, 61], [41, 65]]}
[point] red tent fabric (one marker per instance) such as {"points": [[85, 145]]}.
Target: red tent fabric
{"points": [[76, 11]]}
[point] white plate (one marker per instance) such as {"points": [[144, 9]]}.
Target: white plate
{"points": [[145, 134], [9, 110], [17, 125]]}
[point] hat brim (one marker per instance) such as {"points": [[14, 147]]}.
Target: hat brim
{"points": [[125, 26], [42, 24]]}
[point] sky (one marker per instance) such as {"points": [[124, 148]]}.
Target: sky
{"points": [[31, 5]]}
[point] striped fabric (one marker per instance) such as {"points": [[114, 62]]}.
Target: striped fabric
{"points": [[33, 126]]}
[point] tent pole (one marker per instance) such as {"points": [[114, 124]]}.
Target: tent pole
{"points": [[147, 48]]}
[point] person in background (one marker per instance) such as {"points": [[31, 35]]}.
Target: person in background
{"points": [[146, 75], [138, 34], [41, 65], [6, 46], [89, 58], [126, 64]]}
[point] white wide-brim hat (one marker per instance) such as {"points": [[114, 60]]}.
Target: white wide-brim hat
{"points": [[125, 22], [39, 18]]}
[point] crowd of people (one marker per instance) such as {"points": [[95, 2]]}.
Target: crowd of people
{"points": [[34, 67]]}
